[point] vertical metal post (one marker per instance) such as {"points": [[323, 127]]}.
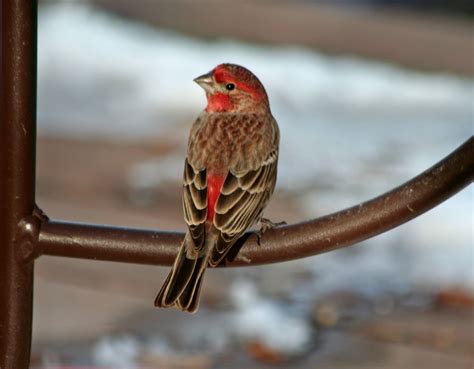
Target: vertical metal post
{"points": [[17, 178]]}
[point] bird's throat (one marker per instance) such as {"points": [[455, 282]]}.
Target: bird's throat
{"points": [[218, 102]]}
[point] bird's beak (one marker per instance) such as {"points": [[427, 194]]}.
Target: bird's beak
{"points": [[206, 81]]}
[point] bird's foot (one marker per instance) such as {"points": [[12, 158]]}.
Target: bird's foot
{"points": [[265, 225]]}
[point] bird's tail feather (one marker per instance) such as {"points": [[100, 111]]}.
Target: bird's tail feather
{"points": [[183, 285], [189, 298], [177, 279]]}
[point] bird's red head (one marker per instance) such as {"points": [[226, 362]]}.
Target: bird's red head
{"points": [[232, 88]]}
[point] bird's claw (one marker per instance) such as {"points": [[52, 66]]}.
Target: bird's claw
{"points": [[265, 225]]}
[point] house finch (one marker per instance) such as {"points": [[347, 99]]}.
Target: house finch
{"points": [[229, 175]]}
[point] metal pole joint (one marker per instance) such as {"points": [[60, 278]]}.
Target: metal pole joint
{"points": [[26, 237]]}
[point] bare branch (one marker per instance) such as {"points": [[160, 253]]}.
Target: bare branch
{"points": [[312, 237]]}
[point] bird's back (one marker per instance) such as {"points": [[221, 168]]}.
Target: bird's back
{"points": [[231, 141]]}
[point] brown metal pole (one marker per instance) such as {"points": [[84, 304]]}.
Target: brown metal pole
{"points": [[17, 179], [312, 237]]}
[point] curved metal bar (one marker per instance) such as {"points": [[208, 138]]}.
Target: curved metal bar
{"points": [[312, 237]]}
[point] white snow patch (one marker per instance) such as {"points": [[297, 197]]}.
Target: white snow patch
{"points": [[276, 326]]}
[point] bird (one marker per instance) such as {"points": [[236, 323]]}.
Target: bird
{"points": [[230, 174]]}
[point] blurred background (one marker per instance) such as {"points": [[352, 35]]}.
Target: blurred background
{"points": [[367, 95]]}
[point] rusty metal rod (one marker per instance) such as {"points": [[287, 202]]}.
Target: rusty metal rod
{"points": [[312, 237], [17, 179]]}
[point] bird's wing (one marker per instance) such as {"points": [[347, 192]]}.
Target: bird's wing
{"points": [[195, 203], [181, 288], [243, 197]]}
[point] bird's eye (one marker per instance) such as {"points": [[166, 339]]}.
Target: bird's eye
{"points": [[230, 86]]}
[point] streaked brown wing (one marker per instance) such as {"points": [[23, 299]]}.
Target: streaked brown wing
{"points": [[195, 202], [241, 202]]}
